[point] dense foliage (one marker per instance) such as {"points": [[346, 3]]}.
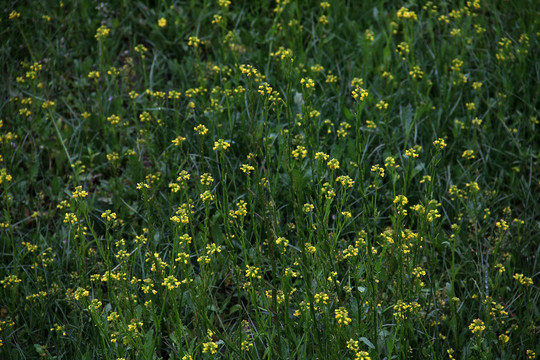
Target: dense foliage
{"points": [[269, 180]]}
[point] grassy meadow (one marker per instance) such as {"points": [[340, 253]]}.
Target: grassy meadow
{"points": [[284, 179]]}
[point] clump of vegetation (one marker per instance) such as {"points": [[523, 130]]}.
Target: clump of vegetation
{"points": [[269, 180]]}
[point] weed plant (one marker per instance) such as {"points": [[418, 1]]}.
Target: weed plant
{"points": [[280, 179]]}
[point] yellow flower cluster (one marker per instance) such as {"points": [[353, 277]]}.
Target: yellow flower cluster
{"points": [[4, 176], [307, 83], [300, 152], [108, 216], [102, 32], [221, 145], [405, 13], [439, 143], [342, 316], [283, 243], [283, 54], [403, 309], [194, 41], [241, 210], [179, 140], [253, 272], [477, 327], [79, 193], [246, 168], [345, 180], [359, 94], [523, 280], [210, 348]]}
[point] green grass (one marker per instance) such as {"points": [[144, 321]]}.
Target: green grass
{"points": [[262, 180]]}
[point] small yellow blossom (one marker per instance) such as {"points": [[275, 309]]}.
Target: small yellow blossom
{"points": [[405, 13], [201, 129], [210, 348], [333, 164], [477, 327], [247, 169], [359, 94], [523, 280], [300, 152], [14, 15], [178, 140], [307, 83], [194, 41], [468, 154], [221, 145], [102, 32], [342, 316], [439, 143], [79, 193]]}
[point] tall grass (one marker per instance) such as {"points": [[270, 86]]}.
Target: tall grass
{"points": [[273, 180]]}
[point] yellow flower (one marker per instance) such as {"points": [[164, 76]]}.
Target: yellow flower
{"points": [[162, 22], [323, 19], [390, 162], [95, 304], [377, 169], [345, 180], [414, 151], [307, 83], [217, 19], [14, 15], [382, 105], [342, 316], [108, 216], [523, 280], [476, 85], [406, 14], [79, 193], [300, 152], [93, 75], [194, 41], [210, 347], [178, 140], [171, 282], [253, 272], [333, 164], [221, 145], [416, 72], [470, 106], [201, 129], [247, 169], [246, 345], [468, 154], [359, 94], [207, 196], [113, 119], [504, 338], [282, 242], [439, 143], [145, 116], [141, 49], [477, 327], [321, 156], [113, 316], [102, 32], [401, 200]]}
